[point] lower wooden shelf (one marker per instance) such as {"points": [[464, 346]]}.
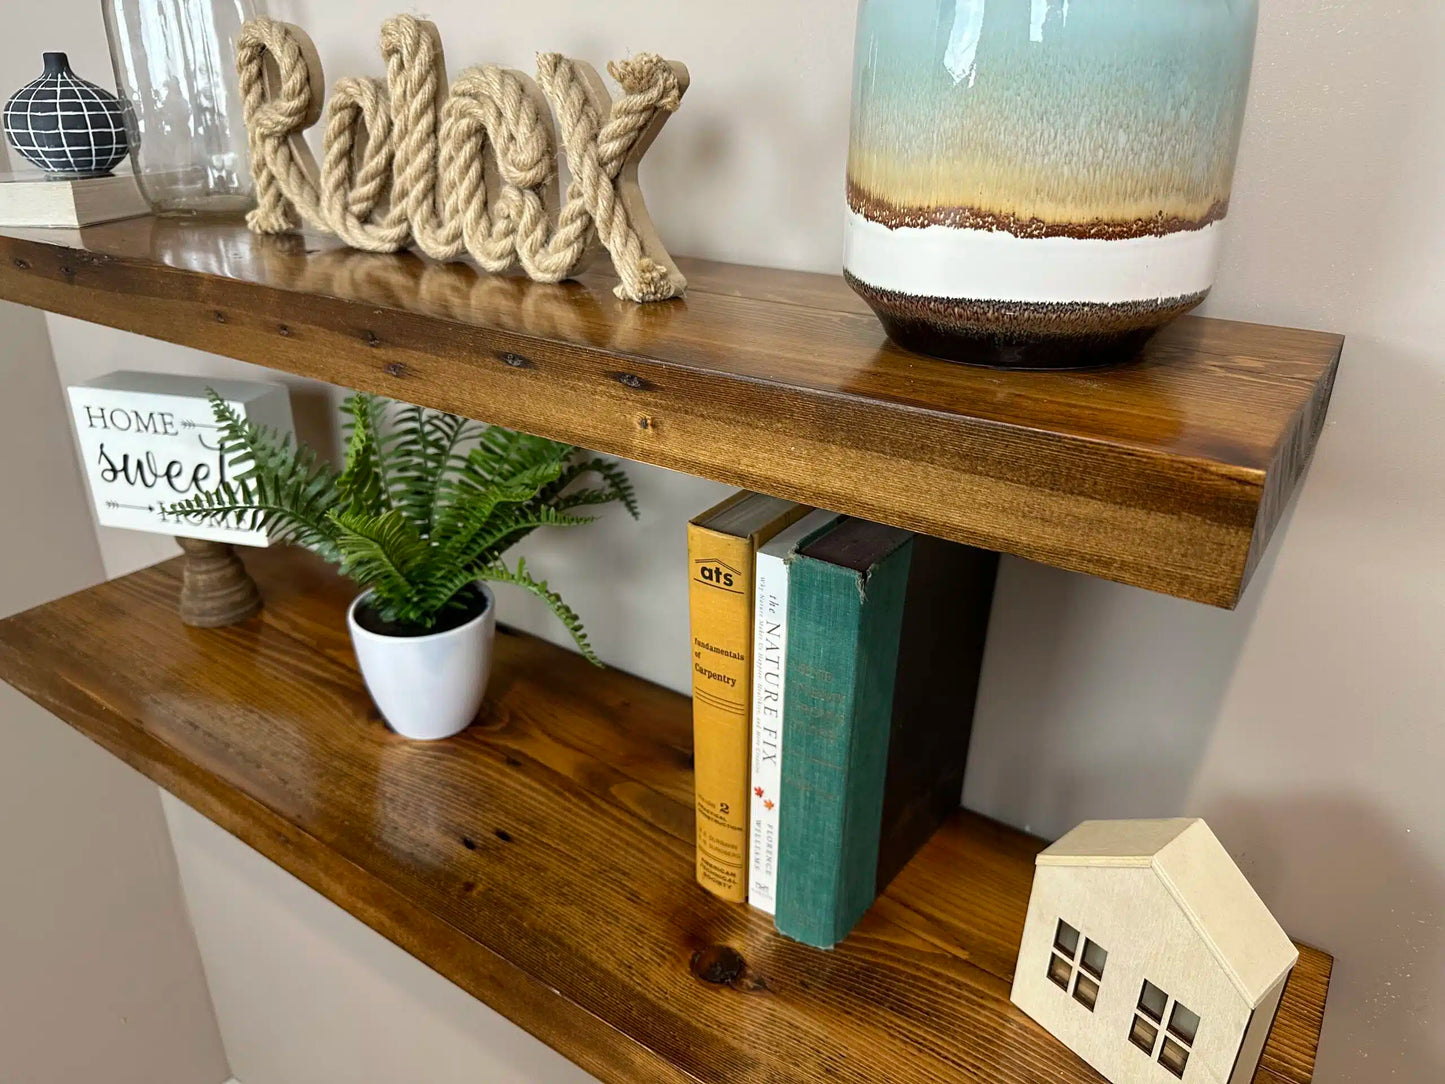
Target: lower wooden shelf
{"points": [[543, 860]]}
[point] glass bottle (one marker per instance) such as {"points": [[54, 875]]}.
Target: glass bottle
{"points": [[175, 69]]}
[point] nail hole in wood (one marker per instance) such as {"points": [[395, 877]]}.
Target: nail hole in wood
{"points": [[469, 843], [68, 272], [283, 331], [633, 381], [395, 368], [720, 965], [644, 422], [504, 835], [220, 317], [371, 339], [24, 265], [516, 361], [513, 762]]}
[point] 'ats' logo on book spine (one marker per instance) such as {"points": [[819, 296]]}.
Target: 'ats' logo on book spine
{"points": [[716, 574]]}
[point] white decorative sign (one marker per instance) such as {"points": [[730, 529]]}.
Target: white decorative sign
{"points": [[148, 440]]}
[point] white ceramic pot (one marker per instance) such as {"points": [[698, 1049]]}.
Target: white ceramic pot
{"points": [[428, 687]]}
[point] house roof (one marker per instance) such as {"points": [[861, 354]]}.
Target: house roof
{"points": [[1198, 872]]}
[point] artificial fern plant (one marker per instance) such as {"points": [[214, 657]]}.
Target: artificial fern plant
{"points": [[426, 504]]}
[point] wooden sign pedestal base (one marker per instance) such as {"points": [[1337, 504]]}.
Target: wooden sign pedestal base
{"points": [[216, 589]]}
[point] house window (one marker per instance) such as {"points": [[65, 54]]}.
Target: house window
{"points": [[1076, 965], [1154, 1008]]}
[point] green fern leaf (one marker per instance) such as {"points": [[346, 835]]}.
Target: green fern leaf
{"points": [[384, 553], [362, 487], [499, 573], [617, 487]]}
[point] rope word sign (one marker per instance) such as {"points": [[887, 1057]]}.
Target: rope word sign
{"points": [[470, 172]]}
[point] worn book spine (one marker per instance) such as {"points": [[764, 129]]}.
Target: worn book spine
{"points": [[770, 647], [843, 634], [770, 638], [720, 597]]}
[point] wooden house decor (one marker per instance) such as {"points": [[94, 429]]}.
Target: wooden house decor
{"points": [[466, 170], [1148, 954]]}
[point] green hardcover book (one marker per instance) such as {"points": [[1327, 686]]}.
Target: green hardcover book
{"points": [[886, 634]]}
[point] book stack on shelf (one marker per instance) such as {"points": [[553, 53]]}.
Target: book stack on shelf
{"points": [[835, 665]]}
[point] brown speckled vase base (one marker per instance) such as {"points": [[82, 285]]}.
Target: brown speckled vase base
{"points": [[1021, 334]]}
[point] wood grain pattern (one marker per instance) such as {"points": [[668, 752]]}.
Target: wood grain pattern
{"points": [[216, 589], [1168, 474], [543, 859]]}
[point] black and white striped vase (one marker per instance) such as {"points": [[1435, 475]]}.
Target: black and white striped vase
{"points": [[65, 125]]}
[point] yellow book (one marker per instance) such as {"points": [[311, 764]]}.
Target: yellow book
{"points": [[721, 544]]}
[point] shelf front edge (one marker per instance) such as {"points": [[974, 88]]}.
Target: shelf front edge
{"points": [[1186, 526]]}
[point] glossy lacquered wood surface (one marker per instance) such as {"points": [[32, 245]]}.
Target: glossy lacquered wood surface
{"points": [[1169, 473], [543, 859]]}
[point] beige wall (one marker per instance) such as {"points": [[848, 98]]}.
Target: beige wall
{"points": [[100, 979], [1306, 726]]}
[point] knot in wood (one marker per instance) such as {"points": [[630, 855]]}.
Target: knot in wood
{"points": [[720, 965]]}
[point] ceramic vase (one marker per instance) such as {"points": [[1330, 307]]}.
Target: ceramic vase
{"points": [[65, 125], [427, 687], [1041, 183]]}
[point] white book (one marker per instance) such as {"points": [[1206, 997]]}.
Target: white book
{"points": [[770, 653], [37, 199]]}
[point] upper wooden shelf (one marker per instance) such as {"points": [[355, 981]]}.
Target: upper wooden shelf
{"points": [[543, 859], [1168, 474]]}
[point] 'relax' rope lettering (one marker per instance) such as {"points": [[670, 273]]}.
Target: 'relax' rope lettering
{"points": [[403, 165]]}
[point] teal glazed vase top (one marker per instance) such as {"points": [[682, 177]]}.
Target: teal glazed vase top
{"points": [[1041, 183]]}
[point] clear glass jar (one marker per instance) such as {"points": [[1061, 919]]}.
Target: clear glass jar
{"points": [[175, 69]]}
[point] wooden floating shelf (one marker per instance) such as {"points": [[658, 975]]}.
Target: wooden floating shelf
{"points": [[543, 860], [1169, 474]]}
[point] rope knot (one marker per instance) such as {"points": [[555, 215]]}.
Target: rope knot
{"points": [[654, 283], [647, 72], [403, 35]]}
